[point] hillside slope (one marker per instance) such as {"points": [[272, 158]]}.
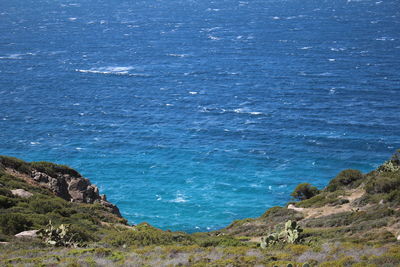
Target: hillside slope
{"points": [[354, 221]]}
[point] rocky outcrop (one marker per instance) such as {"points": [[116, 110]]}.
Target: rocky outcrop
{"points": [[63, 181], [74, 188]]}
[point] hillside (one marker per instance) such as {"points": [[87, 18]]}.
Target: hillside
{"points": [[353, 221]]}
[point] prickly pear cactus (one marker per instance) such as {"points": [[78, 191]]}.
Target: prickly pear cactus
{"points": [[58, 236], [263, 243], [292, 232]]}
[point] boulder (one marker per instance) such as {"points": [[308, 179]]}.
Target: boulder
{"points": [[21, 193], [27, 234]]}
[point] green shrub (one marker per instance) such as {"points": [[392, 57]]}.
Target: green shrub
{"points": [[5, 192], [316, 201], [393, 197], [347, 178], [304, 191], [279, 214], [16, 164], [383, 184], [44, 206], [146, 235], [14, 223], [52, 169], [219, 241], [6, 202], [82, 234], [240, 222]]}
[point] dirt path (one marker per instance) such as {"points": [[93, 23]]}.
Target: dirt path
{"points": [[329, 210]]}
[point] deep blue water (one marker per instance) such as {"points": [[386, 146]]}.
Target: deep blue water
{"points": [[190, 114]]}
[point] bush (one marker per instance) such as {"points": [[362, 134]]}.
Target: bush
{"points": [[304, 191], [5, 192], [219, 241], [276, 215], [6, 202], [394, 197], [16, 164], [383, 184], [14, 223], [44, 206], [146, 235], [347, 178], [52, 169]]}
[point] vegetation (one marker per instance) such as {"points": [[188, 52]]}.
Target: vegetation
{"points": [[290, 234], [60, 236], [354, 221], [345, 179], [304, 191]]}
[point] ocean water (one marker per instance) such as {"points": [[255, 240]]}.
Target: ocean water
{"points": [[189, 114]]}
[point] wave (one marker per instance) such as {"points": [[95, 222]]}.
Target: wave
{"points": [[384, 38], [214, 38], [113, 71], [17, 56], [177, 55], [180, 198], [245, 111]]}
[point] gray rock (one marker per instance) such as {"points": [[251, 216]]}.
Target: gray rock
{"points": [[28, 234], [21, 193], [73, 188]]}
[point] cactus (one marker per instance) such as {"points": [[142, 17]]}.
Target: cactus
{"points": [[306, 265], [58, 236], [268, 240], [292, 232], [388, 166], [263, 243], [289, 265]]}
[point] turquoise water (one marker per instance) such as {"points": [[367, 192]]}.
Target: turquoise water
{"points": [[190, 114]]}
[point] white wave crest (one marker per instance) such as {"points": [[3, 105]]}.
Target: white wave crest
{"points": [[177, 55], [180, 198], [245, 111], [112, 71]]}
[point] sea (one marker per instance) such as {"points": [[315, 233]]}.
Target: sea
{"points": [[189, 114]]}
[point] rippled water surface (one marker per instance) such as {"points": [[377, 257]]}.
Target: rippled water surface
{"points": [[190, 114]]}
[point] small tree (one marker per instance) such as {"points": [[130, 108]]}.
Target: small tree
{"points": [[304, 191]]}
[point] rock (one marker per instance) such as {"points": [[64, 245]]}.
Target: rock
{"points": [[27, 234], [398, 237], [21, 193], [292, 207], [111, 207], [73, 188]]}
